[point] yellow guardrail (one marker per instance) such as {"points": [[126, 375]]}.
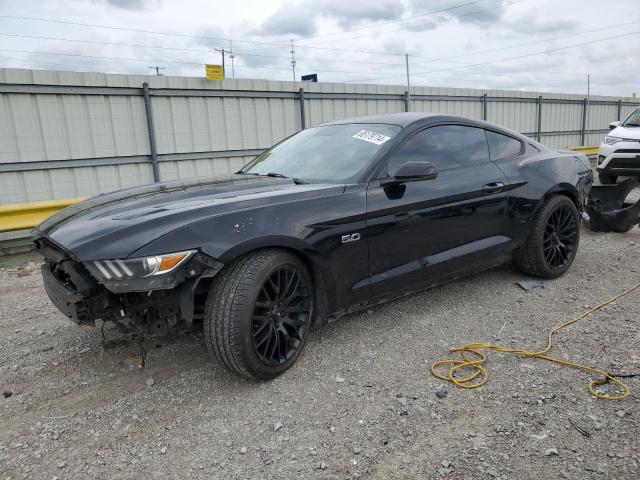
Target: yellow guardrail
{"points": [[588, 151], [19, 216]]}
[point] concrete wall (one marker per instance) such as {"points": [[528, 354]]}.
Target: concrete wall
{"points": [[65, 134]]}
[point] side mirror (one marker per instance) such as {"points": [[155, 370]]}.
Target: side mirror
{"points": [[613, 125], [411, 172]]}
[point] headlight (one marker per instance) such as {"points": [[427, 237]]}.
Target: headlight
{"points": [[134, 274], [612, 140], [140, 267]]}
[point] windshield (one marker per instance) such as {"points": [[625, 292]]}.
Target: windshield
{"points": [[331, 153], [633, 120]]}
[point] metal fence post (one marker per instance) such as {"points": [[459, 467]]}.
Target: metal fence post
{"points": [[583, 127], [539, 126], [407, 101], [303, 121], [152, 133], [619, 110], [485, 112]]}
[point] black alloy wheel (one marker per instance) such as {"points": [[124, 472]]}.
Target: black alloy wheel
{"points": [[259, 313], [281, 315], [553, 240], [560, 235]]}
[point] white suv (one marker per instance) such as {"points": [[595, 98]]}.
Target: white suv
{"points": [[619, 153]]}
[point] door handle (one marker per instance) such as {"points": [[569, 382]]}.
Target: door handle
{"points": [[493, 187]]}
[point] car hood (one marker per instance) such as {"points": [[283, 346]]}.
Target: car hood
{"points": [[115, 225], [632, 133]]}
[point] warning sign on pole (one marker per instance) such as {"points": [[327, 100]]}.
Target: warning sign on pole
{"points": [[214, 72]]}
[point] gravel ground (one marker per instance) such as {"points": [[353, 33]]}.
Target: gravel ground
{"points": [[360, 402]]}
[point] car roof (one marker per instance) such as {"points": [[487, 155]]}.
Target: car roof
{"points": [[408, 118], [400, 119], [426, 118]]}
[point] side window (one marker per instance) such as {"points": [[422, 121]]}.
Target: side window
{"points": [[446, 146], [502, 146]]}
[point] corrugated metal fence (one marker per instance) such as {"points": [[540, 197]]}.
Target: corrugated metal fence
{"points": [[65, 134]]}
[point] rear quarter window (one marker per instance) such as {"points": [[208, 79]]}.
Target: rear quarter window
{"points": [[502, 146]]}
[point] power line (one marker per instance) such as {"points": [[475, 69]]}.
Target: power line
{"points": [[195, 50], [316, 64], [247, 54], [471, 14], [42, 62], [467, 65], [426, 73], [553, 50], [400, 20], [550, 39], [101, 57], [183, 35], [242, 67], [150, 32], [177, 62], [154, 32], [203, 37], [74, 67]]}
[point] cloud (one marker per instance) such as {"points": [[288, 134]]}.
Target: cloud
{"points": [[421, 26], [290, 19], [531, 25], [300, 18], [211, 36], [130, 4], [351, 12], [476, 13]]}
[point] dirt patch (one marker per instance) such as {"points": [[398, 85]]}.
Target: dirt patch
{"points": [[78, 411]]}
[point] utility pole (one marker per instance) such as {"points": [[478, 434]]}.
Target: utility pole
{"points": [[293, 60], [588, 100], [406, 60], [221, 50], [232, 56], [157, 69], [407, 100]]}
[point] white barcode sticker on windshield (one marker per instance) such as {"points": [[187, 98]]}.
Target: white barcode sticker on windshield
{"points": [[371, 137]]}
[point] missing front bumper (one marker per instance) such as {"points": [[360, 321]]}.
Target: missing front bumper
{"points": [[614, 208]]}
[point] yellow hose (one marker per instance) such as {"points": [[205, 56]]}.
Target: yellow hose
{"points": [[472, 358]]}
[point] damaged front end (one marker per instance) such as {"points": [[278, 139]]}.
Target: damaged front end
{"points": [[139, 297], [614, 208]]}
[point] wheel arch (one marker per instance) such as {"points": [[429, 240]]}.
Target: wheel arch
{"points": [[315, 262], [564, 189]]}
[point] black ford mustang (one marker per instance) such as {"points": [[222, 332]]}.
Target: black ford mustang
{"points": [[329, 221]]}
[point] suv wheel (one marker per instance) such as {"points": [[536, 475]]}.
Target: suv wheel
{"points": [[553, 240], [258, 314], [607, 178]]}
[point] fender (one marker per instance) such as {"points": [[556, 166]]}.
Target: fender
{"points": [[317, 263]]}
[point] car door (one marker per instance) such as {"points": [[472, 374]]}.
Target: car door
{"points": [[424, 232]]}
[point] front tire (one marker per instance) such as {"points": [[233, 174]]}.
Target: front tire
{"points": [[607, 178], [258, 314], [553, 240]]}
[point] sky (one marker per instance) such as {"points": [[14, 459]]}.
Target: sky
{"points": [[526, 45]]}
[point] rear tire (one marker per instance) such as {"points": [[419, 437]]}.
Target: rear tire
{"points": [[258, 314], [607, 178], [553, 240]]}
